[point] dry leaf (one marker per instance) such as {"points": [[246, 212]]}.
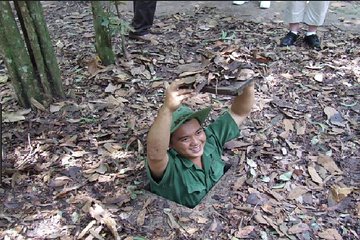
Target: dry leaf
{"points": [[122, 77], [112, 147], [37, 104], [244, 232], [56, 107], [329, 111], [201, 220], [59, 181], [287, 75], [314, 175], [300, 129], [297, 192], [191, 230], [329, 164], [93, 177], [171, 220], [68, 189], [319, 77], [103, 216], [260, 219], [186, 74], [93, 65], [140, 149], [105, 178], [273, 225], [334, 116], [235, 144], [118, 101], [4, 78], [288, 124], [52, 137], [102, 168], [268, 208], [330, 234], [157, 84], [86, 229], [110, 88], [298, 228], [79, 153], [239, 182], [15, 116], [96, 233], [214, 225], [140, 220], [276, 195], [193, 68], [339, 193]]}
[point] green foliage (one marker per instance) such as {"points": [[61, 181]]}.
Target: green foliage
{"points": [[226, 36], [117, 26], [105, 22], [114, 21], [139, 238], [134, 191]]}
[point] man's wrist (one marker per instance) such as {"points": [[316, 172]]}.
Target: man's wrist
{"points": [[166, 110]]}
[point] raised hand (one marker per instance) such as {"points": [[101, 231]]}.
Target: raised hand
{"points": [[242, 104], [174, 95]]}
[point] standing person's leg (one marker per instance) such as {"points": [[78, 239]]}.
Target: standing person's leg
{"points": [[314, 16], [315, 13], [143, 19], [293, 15]]}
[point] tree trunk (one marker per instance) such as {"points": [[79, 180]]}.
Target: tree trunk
{"points": [[16, 58], [123, 29], [33, 45], [33, 68], [47, 50], [103, 44]]}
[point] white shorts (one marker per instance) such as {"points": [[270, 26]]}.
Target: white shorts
{"points": [[309, 12]]}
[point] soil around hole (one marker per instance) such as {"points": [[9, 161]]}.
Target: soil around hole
{"points": [[148, 190]]}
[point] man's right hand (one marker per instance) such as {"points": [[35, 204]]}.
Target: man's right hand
{"points": [[174, 96], [159, 134]]}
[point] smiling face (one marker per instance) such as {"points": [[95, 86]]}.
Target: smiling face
{"points": [[189, 140]]}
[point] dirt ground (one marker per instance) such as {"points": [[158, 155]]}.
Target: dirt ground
{"points": [[343, 14], [76, 170]]}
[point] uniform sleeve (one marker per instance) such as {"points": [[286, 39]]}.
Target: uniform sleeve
{"points": [[167, 172], [224, 128]]}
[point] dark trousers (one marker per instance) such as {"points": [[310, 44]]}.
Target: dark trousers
{"points": [[144, 12]]}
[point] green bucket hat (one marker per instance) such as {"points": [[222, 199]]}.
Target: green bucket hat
{"points": [[184, 113]]}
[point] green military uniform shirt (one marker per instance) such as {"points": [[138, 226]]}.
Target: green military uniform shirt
{"points": [[186, 183]]}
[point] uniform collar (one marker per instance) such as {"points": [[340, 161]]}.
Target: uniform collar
{"points": [[187, 163]]}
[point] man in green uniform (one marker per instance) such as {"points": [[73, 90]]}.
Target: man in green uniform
{"points": [[183, 159]]}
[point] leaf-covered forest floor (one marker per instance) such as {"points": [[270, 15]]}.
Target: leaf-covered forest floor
{"points": [[76, 170]]}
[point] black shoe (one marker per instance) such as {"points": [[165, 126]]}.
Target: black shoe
{"points": [[313, 41], [289, 39]]}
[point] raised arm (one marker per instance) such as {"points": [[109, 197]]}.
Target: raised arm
{"points": [[242, 104], [159, 134]]}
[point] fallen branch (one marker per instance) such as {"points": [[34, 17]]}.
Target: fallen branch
{"points": [[69, 189], [244, 209], [86, 229]]}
